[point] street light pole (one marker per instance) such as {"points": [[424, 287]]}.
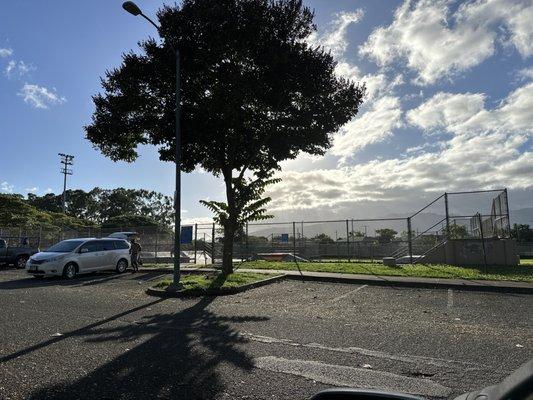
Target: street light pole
{"points": [[132, 8], [177, 195]]}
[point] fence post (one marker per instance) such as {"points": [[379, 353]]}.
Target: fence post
{"points": [[482, 240], [348, 240], [213, 244], [195, 241], [447, 215], [247, 248], [506, 195], [204, 246], [409, 240], [294, 241], [302, 241]]}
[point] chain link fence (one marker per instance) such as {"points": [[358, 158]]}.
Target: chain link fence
{"points": [[365, 240]]}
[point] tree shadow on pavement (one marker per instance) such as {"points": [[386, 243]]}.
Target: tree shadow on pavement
{"points": [[180, 357]]}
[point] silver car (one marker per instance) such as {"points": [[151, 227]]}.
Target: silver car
{"points": [[79, 256]]}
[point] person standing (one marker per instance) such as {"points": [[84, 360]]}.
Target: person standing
{"points": [[135, 252]]}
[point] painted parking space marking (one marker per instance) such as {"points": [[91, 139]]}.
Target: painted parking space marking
{"points": [[342, 375], [342, 296], [438, 362]]}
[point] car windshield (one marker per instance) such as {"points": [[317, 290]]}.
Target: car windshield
{"points": [[65, 246]]}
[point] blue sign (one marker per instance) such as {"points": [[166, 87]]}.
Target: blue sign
{"points": [[284, 238], [186, 234]]}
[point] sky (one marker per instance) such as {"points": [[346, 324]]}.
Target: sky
{"points": [[448, 107]]}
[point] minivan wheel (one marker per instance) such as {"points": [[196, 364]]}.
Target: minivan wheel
{"points": [[121, 266], [69, 271], [21, 261]]}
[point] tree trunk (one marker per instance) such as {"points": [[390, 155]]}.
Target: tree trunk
{"points": [[227, 256], [229, 226]]}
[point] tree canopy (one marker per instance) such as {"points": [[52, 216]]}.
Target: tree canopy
{"points": [[100, 205], [15, 211], [386, 235], [97, 207], [253, 93], [522, 233]]}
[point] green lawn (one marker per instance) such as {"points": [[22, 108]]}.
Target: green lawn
{"points": [[523, 272], [211, 281]]}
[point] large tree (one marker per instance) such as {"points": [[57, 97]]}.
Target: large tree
{"points": [[253, 94]]}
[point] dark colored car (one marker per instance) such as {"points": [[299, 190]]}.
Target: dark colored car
{"points": [[16, 255]]}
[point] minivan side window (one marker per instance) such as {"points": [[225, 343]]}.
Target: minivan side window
{"points": [[121, 244], [107, 244], [91, 246]]}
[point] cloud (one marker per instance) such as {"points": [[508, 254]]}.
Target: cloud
{"points": [[334, 38], [486, 161], [48, 190], [6, 52], [485, 150], [514, 15], [446, 110], [32, 189], [437, 43], [11, 65], [526, 73], [373, 126], [466, 113], [40, 96], [21, 68], [24, 68], [376, 84], [6, 187]]}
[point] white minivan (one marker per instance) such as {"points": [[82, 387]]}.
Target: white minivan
{"points": [[78, 256]]}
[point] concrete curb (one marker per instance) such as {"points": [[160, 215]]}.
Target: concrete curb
{"points": [[214, 292], [478, 286], [383, 280], [170, 270]]}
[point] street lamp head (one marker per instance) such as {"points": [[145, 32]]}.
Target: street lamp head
{"points": [[132, 8]]}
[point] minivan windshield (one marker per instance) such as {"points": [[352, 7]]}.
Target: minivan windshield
{"points": [[66, 246]]}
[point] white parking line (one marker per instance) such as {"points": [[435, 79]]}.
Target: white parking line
{"points": [[438, 362], [342, 296], [450, 299], [342, 375]]}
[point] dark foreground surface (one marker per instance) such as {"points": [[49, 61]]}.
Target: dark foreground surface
{"points": [[101, 337]]}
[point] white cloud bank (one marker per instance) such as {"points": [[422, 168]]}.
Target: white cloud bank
{"points": [[466, 113], [40, 96], [485, 151], [379, 115], [373, 126], [436, 43]]}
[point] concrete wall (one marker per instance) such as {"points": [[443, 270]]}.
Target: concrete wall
{"points": [[470, 252]]}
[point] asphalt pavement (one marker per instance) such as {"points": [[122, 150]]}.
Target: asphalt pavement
{"points": [[101, 337]]}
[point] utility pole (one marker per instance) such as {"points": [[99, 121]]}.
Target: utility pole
{"points": [[66, 161]]}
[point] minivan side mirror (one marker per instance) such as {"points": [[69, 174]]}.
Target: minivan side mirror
{"points": [[84, 250]]}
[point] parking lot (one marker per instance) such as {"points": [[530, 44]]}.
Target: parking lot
{"points": [[100, 336]]}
